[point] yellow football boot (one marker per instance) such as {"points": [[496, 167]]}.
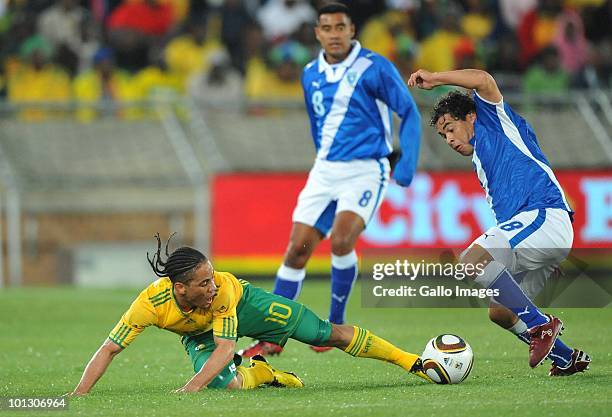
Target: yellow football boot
{"points": [[281, 378]]}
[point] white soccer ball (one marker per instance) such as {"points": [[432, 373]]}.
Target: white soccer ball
{"points": [[447, 359]]}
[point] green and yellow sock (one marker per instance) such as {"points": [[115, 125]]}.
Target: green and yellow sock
{"points": [[367, 345], [254, 376]]}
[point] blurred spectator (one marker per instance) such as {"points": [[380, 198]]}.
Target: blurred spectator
{"points": [[513, 11], [537, 29], [361, 10], [546, 76], [148, 17], [406, 50], [305, 36], [597, 21], [280, 81], [254, 43], [426, 19], [103, 88], [180, 9], [504, 62], [464, 55], [19, 24], [403, 5], [477, 23], [190, 53], [234, 22], [281, 18], [135, 27], [37, 79], [89, 43], [157, 83], [220, 84], [571, 42], [599, 74], [60, 24], [437, 52], [381, 32]]}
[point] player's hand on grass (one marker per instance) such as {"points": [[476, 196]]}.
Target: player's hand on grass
{"points": [[422, 79], [186, 388], [74, 394]]}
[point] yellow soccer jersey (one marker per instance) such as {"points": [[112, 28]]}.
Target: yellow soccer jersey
{"points": [[156, 306]]}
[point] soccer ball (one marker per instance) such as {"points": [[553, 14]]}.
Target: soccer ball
{"points": [[447, 359]]}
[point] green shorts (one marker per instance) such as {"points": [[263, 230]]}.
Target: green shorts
{"points": [[273, 318]]}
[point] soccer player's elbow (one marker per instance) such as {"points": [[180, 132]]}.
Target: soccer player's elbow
{"points": [[110, 348], [487, 81]]}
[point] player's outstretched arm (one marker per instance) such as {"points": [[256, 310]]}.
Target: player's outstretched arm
{"points": [[219, 358], [473, 79], [97, 366]]}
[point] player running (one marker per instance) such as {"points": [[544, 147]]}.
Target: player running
{"points": [[349, 93], [534, 221], [211, 309]]}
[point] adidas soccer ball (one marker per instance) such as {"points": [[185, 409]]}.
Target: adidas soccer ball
{"points": [[447, 359]]}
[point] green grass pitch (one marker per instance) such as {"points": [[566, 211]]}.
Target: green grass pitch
{"points": [[49, 334]]}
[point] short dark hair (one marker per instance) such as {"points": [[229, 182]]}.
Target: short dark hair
{"points": [[455, 103], [179, 265], [334, 7]]}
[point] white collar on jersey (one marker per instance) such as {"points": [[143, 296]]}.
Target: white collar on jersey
{"points": [[348, 61]]}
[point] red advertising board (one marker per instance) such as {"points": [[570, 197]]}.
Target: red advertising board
{"points": [[251, 214]]}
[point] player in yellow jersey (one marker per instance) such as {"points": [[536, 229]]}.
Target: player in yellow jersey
{"points": [[212, 309]]}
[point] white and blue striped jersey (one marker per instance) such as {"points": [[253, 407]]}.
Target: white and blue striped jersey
{"points": [[510, 165], [350, 104]]}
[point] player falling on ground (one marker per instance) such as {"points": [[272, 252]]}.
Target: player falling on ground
{"points": [[211, 309], [349, 93], [534, 230]]}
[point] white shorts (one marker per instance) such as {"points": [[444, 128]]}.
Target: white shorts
{"points": [[334, 186], [531, 245]]}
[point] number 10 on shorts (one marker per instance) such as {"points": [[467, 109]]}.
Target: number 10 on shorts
{"points": [[279, 313]]}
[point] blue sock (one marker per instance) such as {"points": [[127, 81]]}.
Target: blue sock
{"points": [[496, 277], [561, 354], [344, 273], [289, 282]]}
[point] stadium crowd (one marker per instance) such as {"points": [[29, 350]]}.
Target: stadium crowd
{"points": [[114, 51]]}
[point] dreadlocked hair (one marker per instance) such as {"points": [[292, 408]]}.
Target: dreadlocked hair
{"points": [[179, 265], [455, 103]]}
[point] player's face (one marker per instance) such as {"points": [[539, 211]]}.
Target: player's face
{"points": [[457, 133], [335, 32], [201, 289]]}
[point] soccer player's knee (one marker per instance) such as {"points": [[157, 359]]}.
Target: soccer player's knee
{"points": [[342, 244], [341, 335], [476, 257], [498, 245], [297, 255], [490, 246]]}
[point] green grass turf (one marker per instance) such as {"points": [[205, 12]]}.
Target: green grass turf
{"points": [[49, 334]]}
